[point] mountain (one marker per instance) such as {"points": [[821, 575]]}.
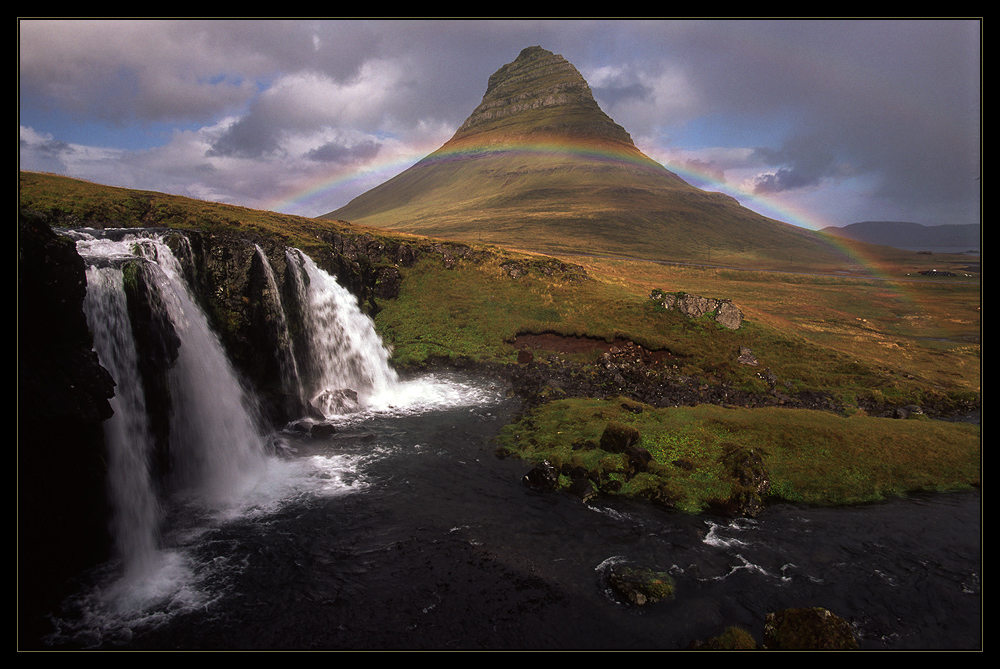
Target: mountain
{"points": [[539, 166], [910, 235]]}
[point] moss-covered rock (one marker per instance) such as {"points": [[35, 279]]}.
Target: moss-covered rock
{"points": [[751, 481], [641, 585], [807, 629], [733, 638]]}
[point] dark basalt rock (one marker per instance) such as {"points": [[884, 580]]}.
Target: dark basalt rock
{"points": [[63, 397], [544, 476]]}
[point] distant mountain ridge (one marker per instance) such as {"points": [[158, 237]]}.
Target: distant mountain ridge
{"points": [[901, 234], [539, 166]]}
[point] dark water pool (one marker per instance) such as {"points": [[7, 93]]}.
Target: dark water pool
{"points": [[404, 531]]}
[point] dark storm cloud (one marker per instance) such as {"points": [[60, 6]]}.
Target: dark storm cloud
{"points": [[804, 162], [250, 137], [333, 152], [613, 95]]}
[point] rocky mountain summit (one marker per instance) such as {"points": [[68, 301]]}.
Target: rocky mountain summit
{"points": [[540, 92]]}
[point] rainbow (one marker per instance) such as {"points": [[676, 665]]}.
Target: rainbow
{"points": [[377, 172]]}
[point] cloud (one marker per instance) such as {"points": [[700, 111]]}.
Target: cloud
{"points": [[332, 152], [788, 107], [805, 162], [644, 99], [134, 71], [308, 102]]}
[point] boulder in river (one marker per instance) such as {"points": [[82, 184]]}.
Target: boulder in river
{"points": [[807, 629], [641, 585]]}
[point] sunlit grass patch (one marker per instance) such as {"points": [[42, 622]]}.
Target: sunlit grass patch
{"points": [[812, 457]]}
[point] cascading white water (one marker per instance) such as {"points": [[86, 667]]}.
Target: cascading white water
{"points": [[216, 439], [134, 504], [216, 444], [221, 467], [291, 378], [350, 364]]}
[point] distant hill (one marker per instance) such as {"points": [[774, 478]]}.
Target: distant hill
{"points": [[901, 234], [539, 166]]}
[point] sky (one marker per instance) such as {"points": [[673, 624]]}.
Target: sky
{"points": [[813, 122]]}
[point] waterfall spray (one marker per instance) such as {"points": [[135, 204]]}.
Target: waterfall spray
{"points": [[348, 362]]}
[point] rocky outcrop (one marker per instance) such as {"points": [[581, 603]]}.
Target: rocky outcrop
{"points": [[542, 476], [640, 586], [751, 479], [630, 370], [723, 312], [807, 629], [541, 92]]}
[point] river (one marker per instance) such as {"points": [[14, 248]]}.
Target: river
{"points": [[403, 530], [398, 527]]}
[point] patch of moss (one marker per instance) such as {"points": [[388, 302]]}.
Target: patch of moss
{"points": [[811, 457]]}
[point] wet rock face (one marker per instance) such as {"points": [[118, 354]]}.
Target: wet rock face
{"points": [[63, 397], [59, 376], [543, 476]]}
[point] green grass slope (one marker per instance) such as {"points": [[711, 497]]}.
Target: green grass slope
{"points": [[888, 342], [566, 201]]}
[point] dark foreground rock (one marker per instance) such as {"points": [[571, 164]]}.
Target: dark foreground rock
{"points": [[641, 585], [807, 629], [63, 397]]}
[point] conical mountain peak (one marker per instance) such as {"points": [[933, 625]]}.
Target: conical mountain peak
{"points": [[540, 93], [539, 166]]}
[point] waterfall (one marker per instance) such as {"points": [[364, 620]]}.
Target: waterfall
{"points": [[216, 444], [291, 378], [184, 427], [349, 365], [217, 447], [134, 504]]}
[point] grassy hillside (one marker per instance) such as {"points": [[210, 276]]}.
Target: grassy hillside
{"points": [[900, 339], [569, 201], [813, 457], [852, 337], [908, 334], [77, 203]]}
